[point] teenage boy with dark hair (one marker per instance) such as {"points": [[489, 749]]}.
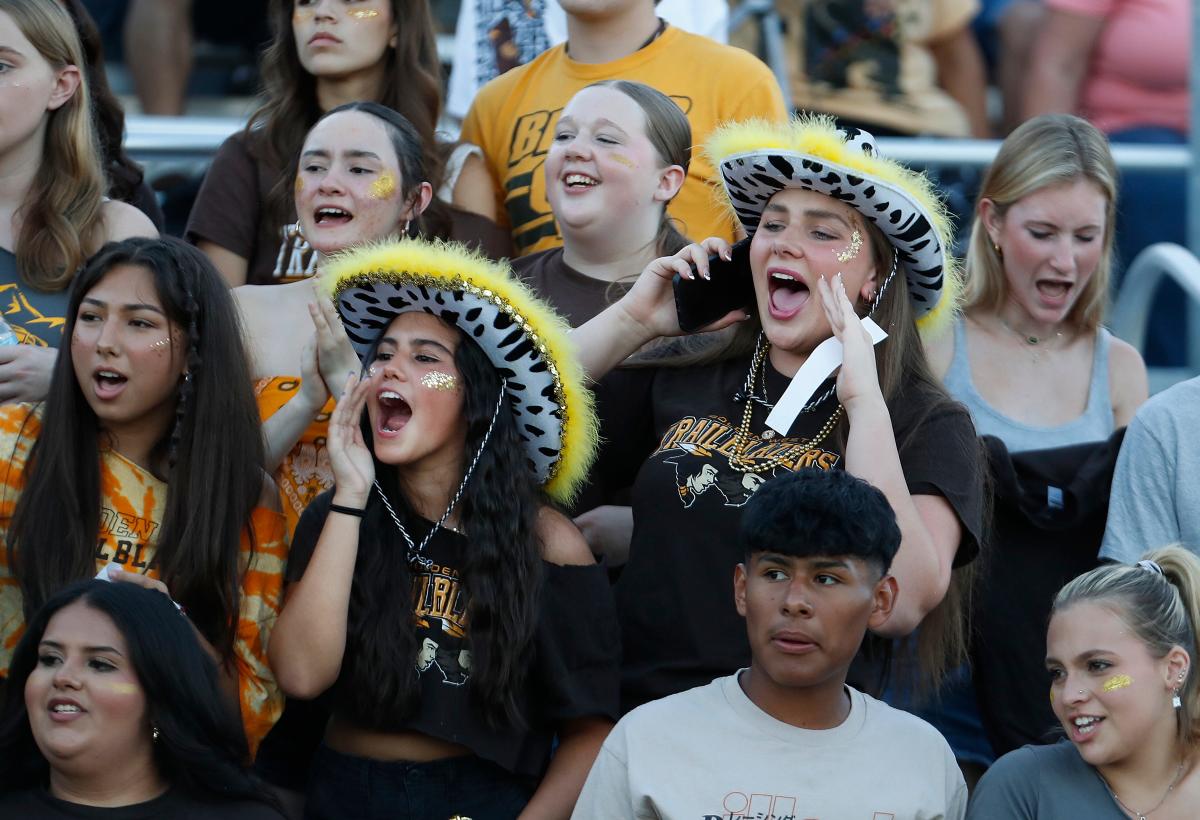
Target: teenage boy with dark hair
{"points": [[787, 738]]}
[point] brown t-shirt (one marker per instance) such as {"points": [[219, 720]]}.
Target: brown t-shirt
{"points": [[231, 211], [576, 296]]}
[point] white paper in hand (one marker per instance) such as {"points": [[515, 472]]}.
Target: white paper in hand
{"points": [[821, 362]]}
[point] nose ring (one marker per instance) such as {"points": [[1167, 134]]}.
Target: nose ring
{"points": [[1081, 691]]}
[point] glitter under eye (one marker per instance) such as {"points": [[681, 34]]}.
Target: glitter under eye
{"points": [[384, 186], [437, 380], [364, 14], [851, 250]]}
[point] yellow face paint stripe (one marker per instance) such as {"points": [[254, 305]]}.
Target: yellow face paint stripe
{"points": [[1117, 682]]}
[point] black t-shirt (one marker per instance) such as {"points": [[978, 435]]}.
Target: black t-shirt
{"points": [[575, 663], [679, 627], [577, 296], [39, 805]]}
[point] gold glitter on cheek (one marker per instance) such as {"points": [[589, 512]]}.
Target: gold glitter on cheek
{"points": [[383, 187], [299, 184], [123, 688], [301, 16], [852, 250], [437, 380], [1051, 695], [1117, 682], [624, 160], [160, 344], [364, 14]]}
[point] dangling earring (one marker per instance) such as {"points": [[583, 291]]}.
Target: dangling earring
{"points": [[154, 733], [295, 231], [406, 224], [1175, 701]]}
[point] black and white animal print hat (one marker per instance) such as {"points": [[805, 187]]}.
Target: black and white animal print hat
{"points": [[525, 340], [758, 158]]}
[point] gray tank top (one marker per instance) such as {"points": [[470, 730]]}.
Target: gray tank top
{"points": [[1095, 424], [37, 316]]}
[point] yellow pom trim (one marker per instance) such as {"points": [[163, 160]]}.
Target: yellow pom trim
{"points": [[817, 135], [451, 266]]}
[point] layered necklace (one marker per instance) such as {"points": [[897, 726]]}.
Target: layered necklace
{"points": [[1143, 815], [756, 383], [1036, 344]]}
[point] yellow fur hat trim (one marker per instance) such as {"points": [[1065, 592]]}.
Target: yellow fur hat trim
{"points": [[451, 267], [817, 136]]}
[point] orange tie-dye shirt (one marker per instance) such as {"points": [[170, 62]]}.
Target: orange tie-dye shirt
{"points": [[131, 511], [305, 472]]}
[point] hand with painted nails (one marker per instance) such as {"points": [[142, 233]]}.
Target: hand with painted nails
{"points": [[858, 378], [651, 300], [335, 356], [352, 463]]}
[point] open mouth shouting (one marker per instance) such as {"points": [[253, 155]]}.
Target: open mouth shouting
{"points": [[787, 294], [394, 413], [107, 383], [330, 217], [1054, 292]]}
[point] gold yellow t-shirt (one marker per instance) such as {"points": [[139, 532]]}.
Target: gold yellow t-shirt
{"points": [[131, 511], [513, 118]]}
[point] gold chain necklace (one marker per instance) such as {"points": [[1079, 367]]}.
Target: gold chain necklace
{"points": [[1036, 344], [741, 438]]}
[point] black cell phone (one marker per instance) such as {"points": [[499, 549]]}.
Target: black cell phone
{"points": [[699, 302]]}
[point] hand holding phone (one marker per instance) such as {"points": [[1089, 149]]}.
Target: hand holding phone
{"points": [[700, 302]]}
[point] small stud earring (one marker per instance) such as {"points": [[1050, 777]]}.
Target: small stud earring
{"points": [[154, 733], [999, 252]]}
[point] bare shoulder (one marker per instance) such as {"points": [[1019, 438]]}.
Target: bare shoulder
{"points": [[122, 221], [1128, 383], [562, 543], [939, 351]]}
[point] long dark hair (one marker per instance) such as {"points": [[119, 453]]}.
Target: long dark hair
{"points": [[124, 175], [211, 459], [411, 86], [200, 745], [502, 574]]}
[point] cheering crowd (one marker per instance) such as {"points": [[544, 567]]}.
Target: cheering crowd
{"points": [[650, 451]]}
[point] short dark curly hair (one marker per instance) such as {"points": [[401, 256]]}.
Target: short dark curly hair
{"points": [[821, 512]]}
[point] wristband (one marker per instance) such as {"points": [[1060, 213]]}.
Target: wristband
{"points": [[352, 511]]}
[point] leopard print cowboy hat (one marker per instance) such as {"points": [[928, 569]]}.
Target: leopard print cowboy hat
{"points": [[526, 341], [757, 158]]}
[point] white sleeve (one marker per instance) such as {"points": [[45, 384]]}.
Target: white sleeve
{"points": [[606, 792], [1141, 511]]}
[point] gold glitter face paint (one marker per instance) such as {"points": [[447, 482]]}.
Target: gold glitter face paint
{"points": [[384, 186], [852, 250], [301, 16], [624, 160], [1051, 695], [437, 380], [122, 688], [160, 344], [364, 14], [1117, 682], [299, 183]]}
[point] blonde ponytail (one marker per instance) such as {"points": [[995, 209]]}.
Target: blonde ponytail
{"points": [[1159, 599]]}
